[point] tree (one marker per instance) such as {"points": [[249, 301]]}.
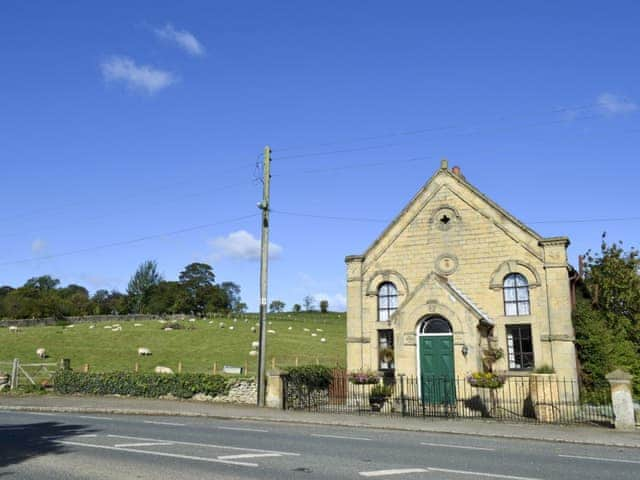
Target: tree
{"points": [[145, 277], [324, 306], [309, 303], [43, 283], [296, 307], [276, 306], [233, 295], [607, 314], [198, 281]]}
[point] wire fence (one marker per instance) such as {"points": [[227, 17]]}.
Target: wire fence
{"points": [[536, 399]]}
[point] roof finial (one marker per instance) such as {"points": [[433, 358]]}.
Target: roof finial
{"points": [[444, 164]]}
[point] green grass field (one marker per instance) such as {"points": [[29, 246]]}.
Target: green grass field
{"points": [[198, 346]]}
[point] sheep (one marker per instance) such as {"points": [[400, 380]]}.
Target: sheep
{"points": [[318, 330], [235, 320], [210, 322], [314, 334], [144, 351], [253, 329], [323, 340], [290, 328], [253, 353], [255, 344], [91, 326], [41, 352], [162, 321], [306, 330], [161, 369], [192, 320], [168, 329], [137, 324], [107, 326], [232, 327], [221, 324], [271, 331], [13, 329], [116, 329]]}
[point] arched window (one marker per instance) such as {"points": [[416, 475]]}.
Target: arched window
{"points": [[387, 301], [516, 295], [435, 326]]}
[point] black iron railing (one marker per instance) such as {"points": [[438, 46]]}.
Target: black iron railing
{"points": [[535, 398]]}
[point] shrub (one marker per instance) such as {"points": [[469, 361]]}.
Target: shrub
{"points": [[545, 369], [313, 377], [152, 385], [380, 391]]}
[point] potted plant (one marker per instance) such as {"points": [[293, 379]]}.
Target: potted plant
{"points": [[386, 355], [378, 396]]}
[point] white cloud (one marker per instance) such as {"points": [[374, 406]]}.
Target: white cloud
{"points": [[184, 39], [38, 245], [137, 77], [615, 105], [242, 245], [337, 302]]}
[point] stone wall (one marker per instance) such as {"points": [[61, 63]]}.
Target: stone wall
{"points": [[242, 391], [49, 321]]}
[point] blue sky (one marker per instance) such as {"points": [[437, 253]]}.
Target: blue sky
{"points": [[127, 120]]}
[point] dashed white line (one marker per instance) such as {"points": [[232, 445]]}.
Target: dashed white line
{"points": [[481, 474], [600, 459], [445, 445], [395, 471], [90, 417], [171, 424], [341, 437], [248, 455], [142, 444], [244, 429], [159, 454]]}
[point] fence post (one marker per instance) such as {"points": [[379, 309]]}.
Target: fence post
{"points": [[403, 407], [14, 373], [621, 399]]}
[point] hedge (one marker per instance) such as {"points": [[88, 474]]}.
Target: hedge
{"points": [[183, 385], [312, 377]]}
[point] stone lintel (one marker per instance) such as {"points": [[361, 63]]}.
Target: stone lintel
{"points": [[557, 338], [358, 340]]}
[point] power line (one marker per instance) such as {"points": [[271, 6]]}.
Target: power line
{"points": [[359, 165], [380, 220], [127, 242]]}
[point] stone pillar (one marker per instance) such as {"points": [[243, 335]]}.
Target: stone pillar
{"points": [[621, 399], [355, 340], [274, 397]]}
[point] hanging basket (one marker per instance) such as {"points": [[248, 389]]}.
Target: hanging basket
{"points": [[386, 355]]}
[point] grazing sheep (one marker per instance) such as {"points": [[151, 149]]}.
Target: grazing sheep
{"points": [[192, 319], [167, 329], [161, 369], [144, 351], [92, 326], [41, 352], [210, 322], [314, 334], [116, 329], [232, 327], [137, 324], [13, 328], [290, 328], [107, 326], [270, 323], [235, 320], [253, 353], [221, 324], [306, 330], [318, 329], [255, 344], [162, 321], [323, 340], [253, 329], [271, 331], [70, 326]]}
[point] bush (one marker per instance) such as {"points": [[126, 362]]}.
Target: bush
{"points": [[152, 385], [313, 377], [380, 391], [545, 369]]}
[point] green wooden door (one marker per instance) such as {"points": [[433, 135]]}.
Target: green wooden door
{"points": [[436, 369]]}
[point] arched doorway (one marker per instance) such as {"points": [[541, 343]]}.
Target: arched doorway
{"points": [[435, 361]]}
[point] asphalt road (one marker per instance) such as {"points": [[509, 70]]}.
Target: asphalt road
{"points": [[70, 446]]}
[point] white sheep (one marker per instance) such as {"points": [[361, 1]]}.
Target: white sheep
{"points": [[318, 330], [192, 320], [13, 328], [162, 321], [144, 351], [314, 334], [116, 329], [290, 328], [91, 326], [232, 327], [107, 326], [70, 326], [137, 324], [235, 320], [323, 340], [253, 329], [253, 353], [255, 344], [221, 324], [41, 352], [271, 331], [210, 322], [306, 330], [161, 369], [168, 329]]}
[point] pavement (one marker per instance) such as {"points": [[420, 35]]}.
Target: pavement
{"points": [[577, 434]]}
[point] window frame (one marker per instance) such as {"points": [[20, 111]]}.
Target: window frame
{"points": [[518, 302], [386, 334], [386, 308], [516, 349]]}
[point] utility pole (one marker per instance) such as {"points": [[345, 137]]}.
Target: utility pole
{"points": [[264, 260]]}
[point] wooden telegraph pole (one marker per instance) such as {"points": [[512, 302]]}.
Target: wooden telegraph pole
{"points": [[264, 259]]}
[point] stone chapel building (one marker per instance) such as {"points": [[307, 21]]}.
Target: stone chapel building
{"points": [[453, 276]]}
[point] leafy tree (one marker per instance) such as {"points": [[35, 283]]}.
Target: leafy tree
{"points": [[607, 314], [309, 303], [43, 283], [198, 281], [324, 306], [276, 306], [145, 277], [296, 307], [233, 295]]}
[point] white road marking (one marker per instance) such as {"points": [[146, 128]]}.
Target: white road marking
{"points": [[248, 455], [395, 471], [143, 444], [600, 459], [160, 454], [457, 446], [90, 417], [87, 435], [244, 429], [341, 437], [481, 474], [41, 413], [171, 424], [222, 447]]}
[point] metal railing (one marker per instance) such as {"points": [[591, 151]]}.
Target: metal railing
{"points": [[535, 398]]}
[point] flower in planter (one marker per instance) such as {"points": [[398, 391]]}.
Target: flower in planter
{"points": [[364, 378], [486, 380]]}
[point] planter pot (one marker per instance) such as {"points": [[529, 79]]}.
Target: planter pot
{"points": [[376, 403], [545, 396]]}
